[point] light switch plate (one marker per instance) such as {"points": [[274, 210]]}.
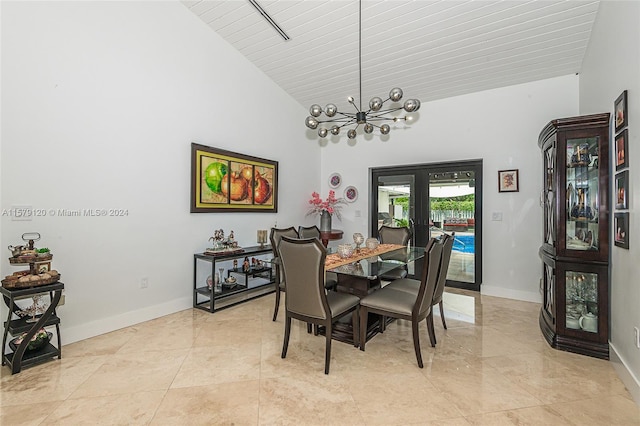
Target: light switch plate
{"points": [[496, 216]]}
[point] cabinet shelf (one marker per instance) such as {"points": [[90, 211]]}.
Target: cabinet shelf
{"points": [[21, 325], [581, 220], [34, 357]]}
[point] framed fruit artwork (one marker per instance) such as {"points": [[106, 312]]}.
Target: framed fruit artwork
{"points": [[225, 181]]}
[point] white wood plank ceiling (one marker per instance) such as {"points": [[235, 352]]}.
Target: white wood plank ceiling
{"points": [[432, 49]]}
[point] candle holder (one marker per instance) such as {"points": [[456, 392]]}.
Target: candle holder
{"points": [[262, 237], [358, 238]]}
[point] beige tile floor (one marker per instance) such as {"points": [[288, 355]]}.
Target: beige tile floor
{"points": [[195, 368]]}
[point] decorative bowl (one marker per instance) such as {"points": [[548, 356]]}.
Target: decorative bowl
{"points": [[39, 341], [345, 250], [372, 243]]}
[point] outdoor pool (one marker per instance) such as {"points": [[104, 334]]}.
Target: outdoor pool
{"points": [[464, 243]]}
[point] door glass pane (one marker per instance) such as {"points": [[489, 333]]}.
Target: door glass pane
{"points": [[452, 209], [395, 200], [582, 194], [582, 301]]}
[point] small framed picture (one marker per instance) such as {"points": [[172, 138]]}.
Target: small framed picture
{"points": [[43, 267], [620, 111], [621, 229], [508, 181], [351, 193], [622, 190], [335, 180], [621, 149]]}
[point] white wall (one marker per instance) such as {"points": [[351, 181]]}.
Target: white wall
{"points": [[612, 65], [100, 102], [499, 126]]}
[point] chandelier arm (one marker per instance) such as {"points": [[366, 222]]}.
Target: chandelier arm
{"points": [[386, 111], [347, 124], [338, 120], [347, 114], [380, 119], [394, 119]]}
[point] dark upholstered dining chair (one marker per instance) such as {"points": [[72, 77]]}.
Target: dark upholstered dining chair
{"points": [[412, 287], [389, 302], [275, 236], [442, 278], [307, 299], [393, 235], [331, 279]]}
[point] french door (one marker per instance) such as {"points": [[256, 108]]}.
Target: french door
{"points": [[431, 199]]}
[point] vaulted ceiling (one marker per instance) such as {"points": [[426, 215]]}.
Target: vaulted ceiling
{"points": [[432, 49]]}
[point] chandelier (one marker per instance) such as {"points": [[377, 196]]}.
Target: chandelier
{"points": [[370, 118]]}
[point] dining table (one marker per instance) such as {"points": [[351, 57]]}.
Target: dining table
{"points": [[359, 274]]}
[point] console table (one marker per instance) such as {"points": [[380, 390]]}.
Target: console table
{"points": [[258, 280]]}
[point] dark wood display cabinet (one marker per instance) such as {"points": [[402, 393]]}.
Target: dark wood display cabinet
{"points": [[245, 284], [575, 248]]}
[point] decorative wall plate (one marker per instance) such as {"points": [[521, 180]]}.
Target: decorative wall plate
{"points": [[335, 180], [351, 194]]}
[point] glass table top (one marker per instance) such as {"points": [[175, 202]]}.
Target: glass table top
{"points": [[372, 267]]}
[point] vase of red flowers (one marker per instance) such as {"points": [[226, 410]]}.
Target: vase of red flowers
{"points": [[326, 209], [325, 221]]}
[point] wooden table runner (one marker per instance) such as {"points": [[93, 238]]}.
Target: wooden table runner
{"points": [[334, 260]]}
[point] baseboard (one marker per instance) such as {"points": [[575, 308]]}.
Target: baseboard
{"points": [[106, 325], [631, 382], [525, 296]]}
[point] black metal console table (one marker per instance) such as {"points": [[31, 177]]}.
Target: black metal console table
{"points": [[230, 294]]}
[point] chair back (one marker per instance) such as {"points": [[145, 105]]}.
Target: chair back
{"points": [[303, 267], [275, 236], [429, 276], [447, 241], [391, 235], [309, 232], [277, 233]]}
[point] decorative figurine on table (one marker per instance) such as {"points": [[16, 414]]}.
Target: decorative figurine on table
{"points": [[246, 267], [217, 238], [235, 263], [37, 308]]}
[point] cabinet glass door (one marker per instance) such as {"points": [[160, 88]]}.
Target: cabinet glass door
{"points": [[581, 301], [582, 201]]}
